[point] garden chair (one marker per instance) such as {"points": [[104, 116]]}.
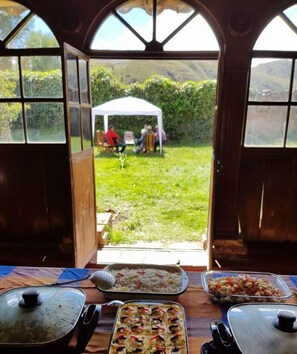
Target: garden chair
{"points": [[149, 142], [129, 138], [102, 145]]}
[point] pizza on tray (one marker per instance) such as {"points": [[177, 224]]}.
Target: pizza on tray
{"points": [[149, 328]]}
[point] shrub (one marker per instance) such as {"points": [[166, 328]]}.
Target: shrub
{"points": [[187, 108]]}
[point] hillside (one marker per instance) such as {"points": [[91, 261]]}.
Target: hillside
{"points": [[269, 76], [131, 71]]}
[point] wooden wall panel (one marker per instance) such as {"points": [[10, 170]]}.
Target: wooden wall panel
{"points": [[58, 203], [292, 236], [34, 195], [35, 206], [22, 195]]}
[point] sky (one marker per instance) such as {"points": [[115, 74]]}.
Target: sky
{"points": [[272, 37], [121, 38], [114, 35]]}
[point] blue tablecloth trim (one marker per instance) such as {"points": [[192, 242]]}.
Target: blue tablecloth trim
{"points": [[6, 270], [294, 279], [73, 273]]}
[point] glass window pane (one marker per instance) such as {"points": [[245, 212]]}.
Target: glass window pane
{"points": [[292, 128], [265, 126], [9, 77], [169, 16], [11, 14], [291, 12], [270, 80], [35, 34], [168, 21], [183, 40], [41, 63], [139, 19], [72, 78], [272, 37], [45, 122], [42, 76], [87, 131], [75, 129], [83, 81], [121, 38], [113, 35], [294, 90], [11, 123]]}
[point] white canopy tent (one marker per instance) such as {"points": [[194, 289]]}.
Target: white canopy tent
{"points": [[128, 106]]}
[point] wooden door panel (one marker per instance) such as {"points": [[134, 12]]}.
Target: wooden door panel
{"points": [[250, 192], [267, 205], [82, 155], [84, 210], [277, 196]]}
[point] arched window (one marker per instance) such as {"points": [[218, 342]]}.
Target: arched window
{"points": [[272, 102], [31, 90], [155, 26]]}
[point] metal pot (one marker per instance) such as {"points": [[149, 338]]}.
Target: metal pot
{"points": [[266, 328], [45, 319]]}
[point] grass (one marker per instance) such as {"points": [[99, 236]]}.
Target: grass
{"points": [[155, 198]]}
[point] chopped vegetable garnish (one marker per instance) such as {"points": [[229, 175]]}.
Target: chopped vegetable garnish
{"points": [[243, 285]]}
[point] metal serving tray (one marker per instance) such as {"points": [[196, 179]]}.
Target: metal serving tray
{"points": [[275, 280], [162, 294], [148, 326]]}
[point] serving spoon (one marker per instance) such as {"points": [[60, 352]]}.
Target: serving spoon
{"points": [[101, 278]]}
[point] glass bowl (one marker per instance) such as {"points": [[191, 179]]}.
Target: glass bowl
{"points": [[240, 286]]}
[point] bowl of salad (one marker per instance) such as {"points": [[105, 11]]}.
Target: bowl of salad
{"points": [[237, 287]]}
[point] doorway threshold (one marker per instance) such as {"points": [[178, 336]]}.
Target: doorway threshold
{"points": [[183, 254]]}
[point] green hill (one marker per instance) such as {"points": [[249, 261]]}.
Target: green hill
{"points": [[131, 71], [272, 76], [269, 76]]}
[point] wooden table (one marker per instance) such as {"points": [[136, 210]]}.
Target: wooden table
{"points": [[199, 309]]}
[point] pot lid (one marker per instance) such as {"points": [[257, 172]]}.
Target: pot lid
{"points": [[38, 315], [269, 328]]}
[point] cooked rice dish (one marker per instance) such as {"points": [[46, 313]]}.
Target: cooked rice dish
{"points": [[148, 280]]}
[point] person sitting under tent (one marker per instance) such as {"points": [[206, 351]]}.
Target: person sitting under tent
{"points": [[157, 138], [113, 139], [141, 141]]}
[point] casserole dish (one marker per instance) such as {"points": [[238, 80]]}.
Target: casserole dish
{"points": [[267, 328], [238, 287], [146, 281], [149, 327], [44, 319]]}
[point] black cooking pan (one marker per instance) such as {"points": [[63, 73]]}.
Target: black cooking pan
{"points": [[255, 328], [45, 320]]}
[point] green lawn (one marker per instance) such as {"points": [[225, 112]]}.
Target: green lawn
{"points": [[155, 198]]}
